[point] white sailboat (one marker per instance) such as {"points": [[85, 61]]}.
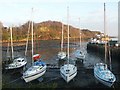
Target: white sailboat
{"points": [[79, 54], [18, 62], [37, 69], [68, 71], [62, 54], [101, 71]]}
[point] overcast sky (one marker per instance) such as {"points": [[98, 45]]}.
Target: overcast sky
{"points": [[90, 12]]}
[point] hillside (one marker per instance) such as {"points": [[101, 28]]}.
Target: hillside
{"points": [[46, 30]]}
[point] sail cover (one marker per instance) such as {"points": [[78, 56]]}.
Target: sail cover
{"points": [[36, 57]]}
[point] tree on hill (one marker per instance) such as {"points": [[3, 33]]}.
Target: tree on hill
{"points": [[47, 30]]}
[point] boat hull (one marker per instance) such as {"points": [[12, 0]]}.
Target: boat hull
{"points": [[35, 76], [16, 67], [68, 78], [109, 84], [61, 55], [71, 75], [103, 74], [80, 57]]}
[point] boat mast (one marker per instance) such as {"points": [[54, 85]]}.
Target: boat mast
{"points": [[80, 34], [11, 42], [32, 36], [105, 33], [62, 38], [68, 33]]}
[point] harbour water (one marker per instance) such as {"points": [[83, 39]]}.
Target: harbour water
{"points": [[52, 79]]}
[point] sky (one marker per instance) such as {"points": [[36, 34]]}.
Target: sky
{"points": [[90, 12]]}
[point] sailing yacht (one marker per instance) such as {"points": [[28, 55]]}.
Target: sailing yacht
{"points": [[37, 69], [68, 71], [18, 62], [62, 54], [103, 74], [79, 54], [101, 71]]}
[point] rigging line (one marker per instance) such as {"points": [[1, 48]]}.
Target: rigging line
{"points": [[80, 34], [8, 48], [105, 34], [37, 43], [62, 38], [11, 43], [35, 39], [27, 39], [68, 33], [32, 36], [110, 57]]}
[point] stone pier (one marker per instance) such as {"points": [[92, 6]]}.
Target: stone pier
{"points": [[119, 22]]}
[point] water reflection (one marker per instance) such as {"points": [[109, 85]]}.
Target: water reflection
{"points": [[49, 50]]}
